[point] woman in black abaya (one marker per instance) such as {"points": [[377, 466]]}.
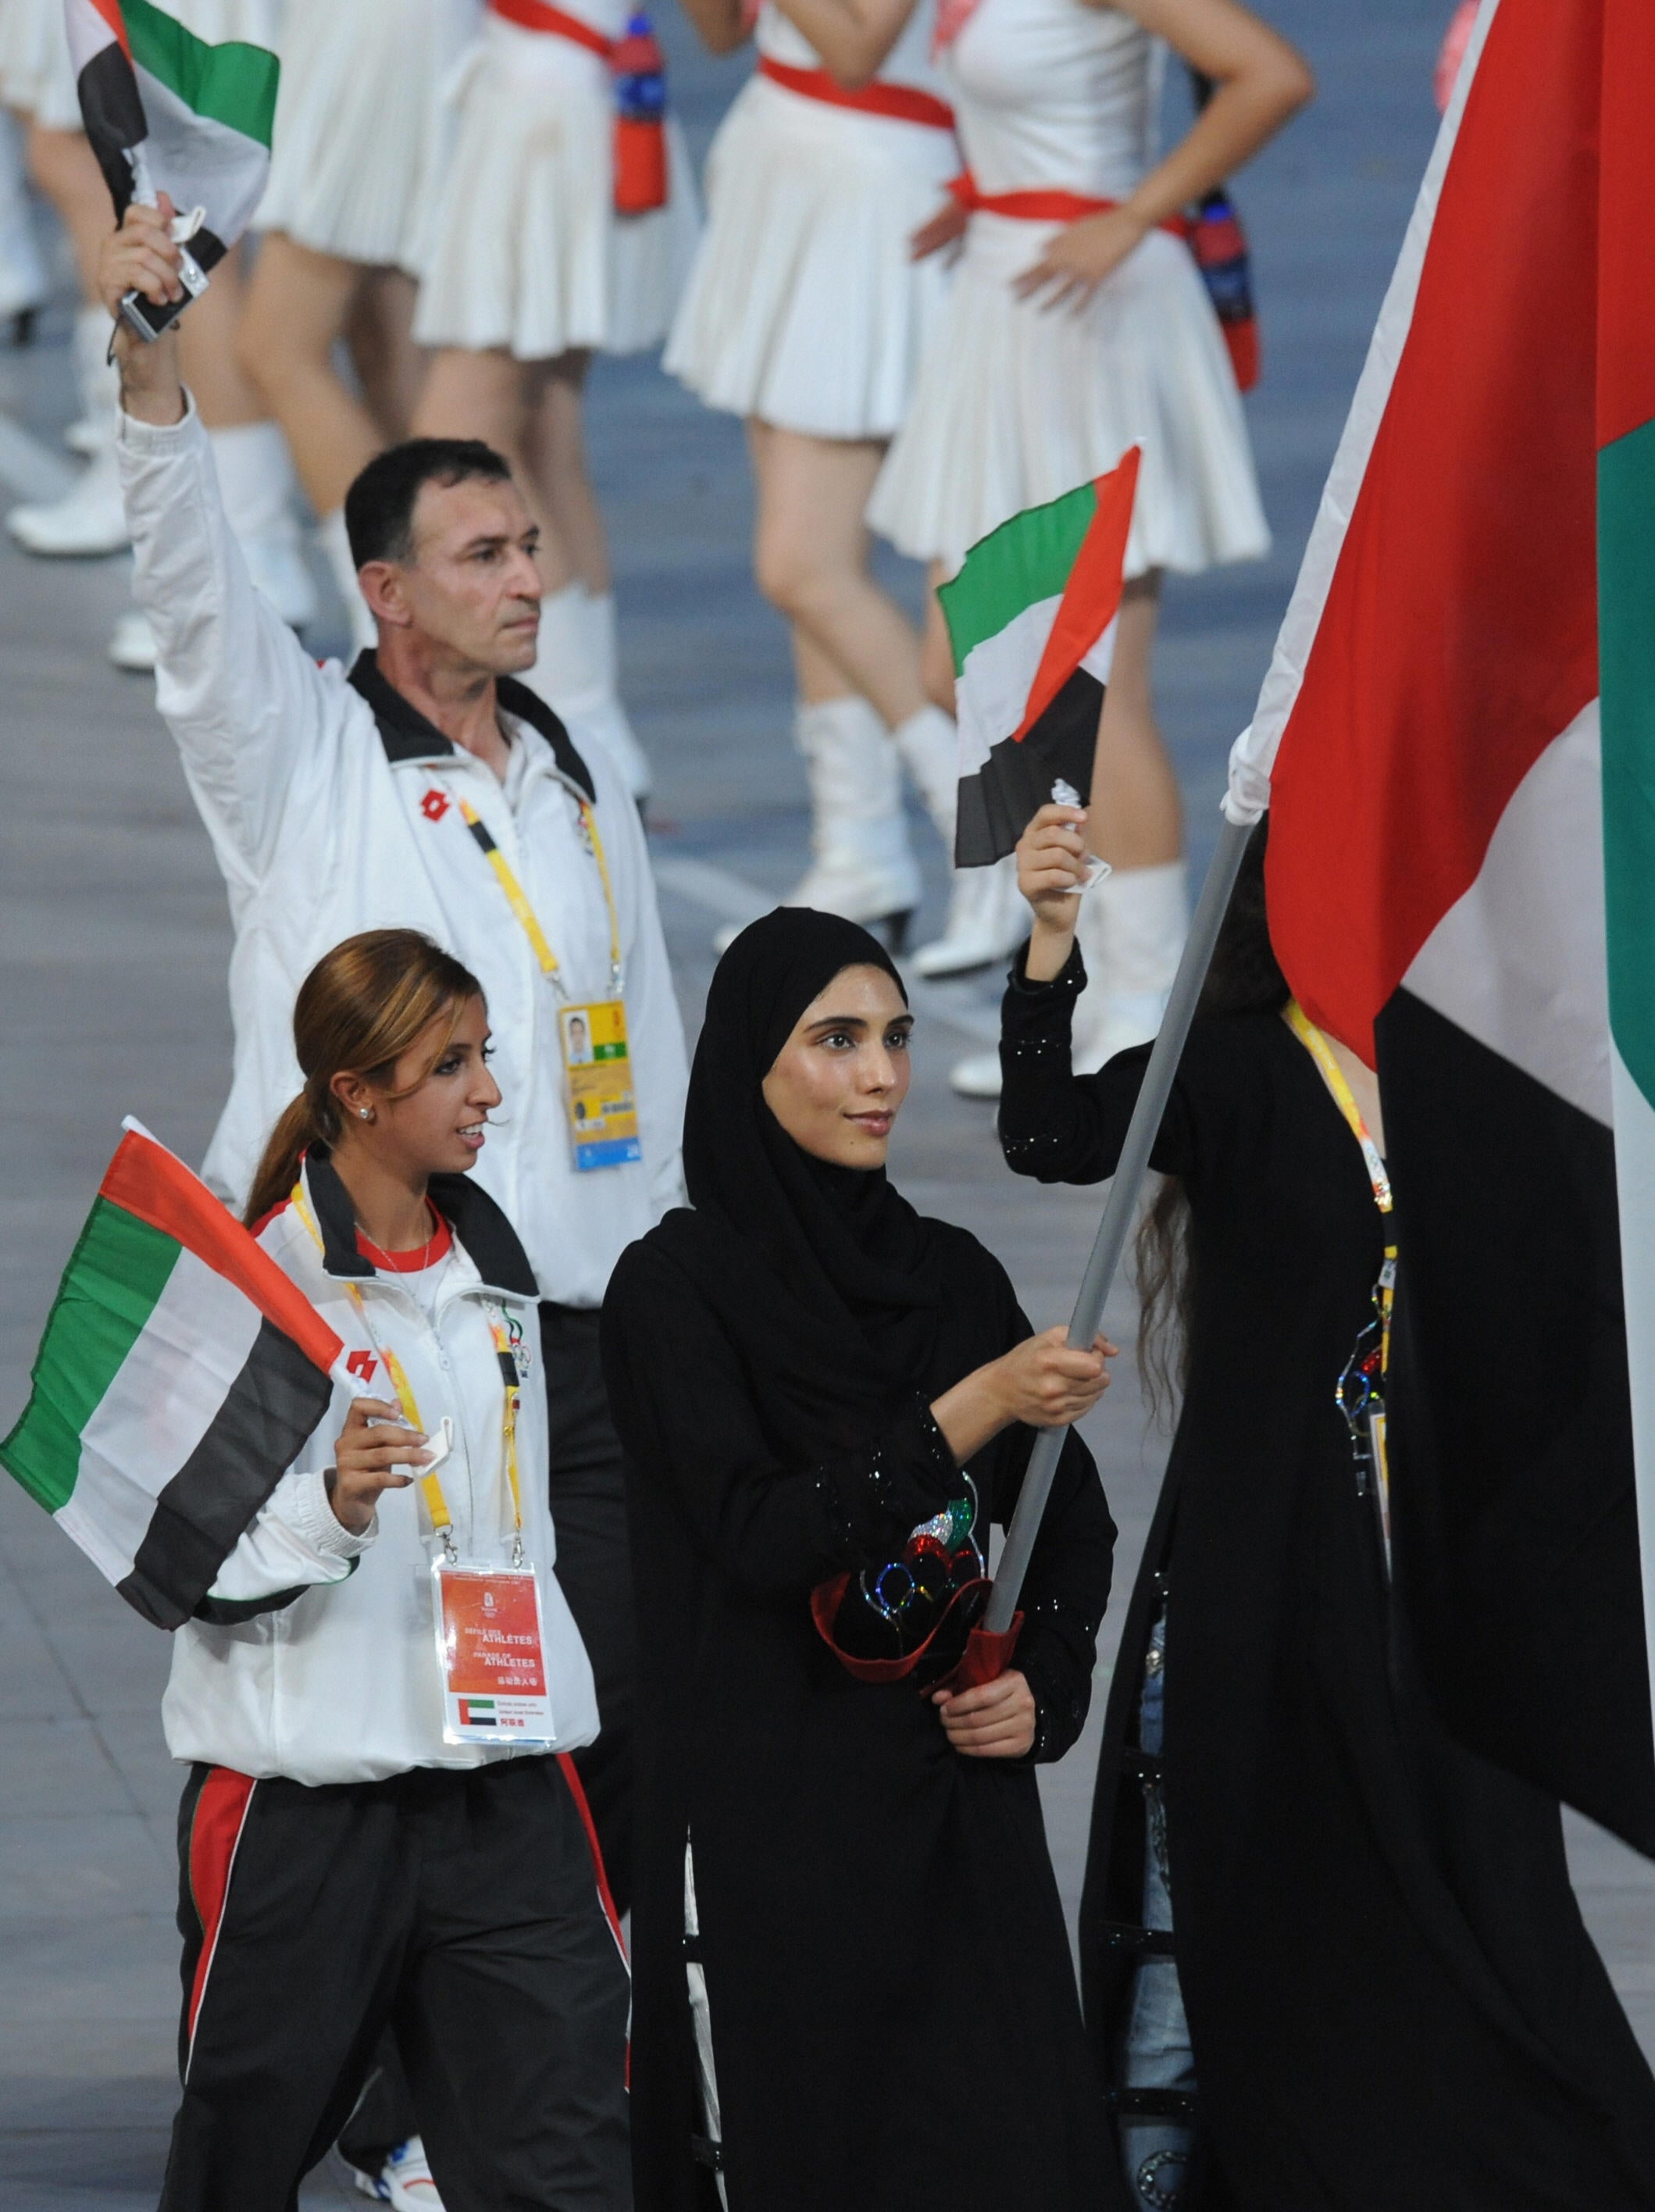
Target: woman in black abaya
{"points": [[1393, 2004], [812, 1383]]}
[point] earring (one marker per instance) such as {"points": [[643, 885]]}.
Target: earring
{"points": [[367, 1113]]}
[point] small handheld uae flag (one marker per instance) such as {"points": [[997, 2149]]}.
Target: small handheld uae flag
{"points": [[166, 112], [1030, 619], [180, 1373]]}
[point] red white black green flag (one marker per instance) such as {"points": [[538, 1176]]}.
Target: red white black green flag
{"points": [[167, 112], [180, 1373], [1458, 735], [1030, 619]]}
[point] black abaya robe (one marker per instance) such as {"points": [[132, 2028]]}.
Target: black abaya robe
{"points": [[894, 2018], [1393, 2004]]}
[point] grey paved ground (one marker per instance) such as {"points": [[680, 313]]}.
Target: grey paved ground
{"points": [[112, 948]]}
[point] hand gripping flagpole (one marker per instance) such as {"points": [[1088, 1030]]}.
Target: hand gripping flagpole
{"points": [[1123, 1201]]}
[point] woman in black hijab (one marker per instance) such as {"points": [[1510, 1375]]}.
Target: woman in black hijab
{"points": [[852, 1983]]}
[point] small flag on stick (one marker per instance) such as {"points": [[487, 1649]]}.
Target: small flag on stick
{"points": [[1032, 619], [166, 112], [180, 1373]]}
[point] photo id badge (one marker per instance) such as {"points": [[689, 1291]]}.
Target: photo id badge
{"points": [[603, 1114], [492, 1652]]}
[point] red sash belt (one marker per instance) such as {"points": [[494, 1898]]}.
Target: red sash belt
{"points": [[1046, 206], [541, 16], [904, 103]]}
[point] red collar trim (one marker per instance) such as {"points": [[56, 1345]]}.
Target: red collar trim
{"points": [[415, 1262]]}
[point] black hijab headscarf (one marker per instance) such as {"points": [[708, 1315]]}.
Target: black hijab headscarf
{"points": [[855, 1255]]}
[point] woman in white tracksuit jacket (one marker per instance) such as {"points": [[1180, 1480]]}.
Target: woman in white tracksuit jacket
{"points": [[351, 1859]]}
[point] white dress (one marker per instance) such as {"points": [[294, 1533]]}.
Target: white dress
{"points": [[37, 76], [1018, 403], [804, 308], [522, 247], [359, 123]]}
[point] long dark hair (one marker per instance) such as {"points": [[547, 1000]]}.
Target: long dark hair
{"points": [[360, 1008], [1244, 978]]}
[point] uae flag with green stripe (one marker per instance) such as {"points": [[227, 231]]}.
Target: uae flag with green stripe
{"points": [[180, 1373], [1458, 731], [1030, 619], [166, 112]]}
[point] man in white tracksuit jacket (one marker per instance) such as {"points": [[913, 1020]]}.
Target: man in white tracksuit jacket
{"points": [[342, 802]]}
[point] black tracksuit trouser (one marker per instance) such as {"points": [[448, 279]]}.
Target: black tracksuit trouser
{"points": [[461, 1910]]}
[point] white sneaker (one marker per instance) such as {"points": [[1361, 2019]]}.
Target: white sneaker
{"points": [[88, 520], [256, 479], [977, 1077], [987, 921], [404, 2181], [133, 645]]}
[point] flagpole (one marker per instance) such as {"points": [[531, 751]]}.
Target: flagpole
{"points": [[1121, 1206]]}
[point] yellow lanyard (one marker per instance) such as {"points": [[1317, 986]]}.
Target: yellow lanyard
{"points": [[1333, 1076], [436, 1503], [517, 899]]}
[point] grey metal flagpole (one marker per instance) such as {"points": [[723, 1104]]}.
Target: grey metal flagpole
{"points": [[1121, 1204]]}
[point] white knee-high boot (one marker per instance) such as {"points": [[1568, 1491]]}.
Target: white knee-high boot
{"points": [[576, 677], [23, 282], [861, 864], [1131, 928], [987, 919], [256, 477], [90, 518], [336, 547]]}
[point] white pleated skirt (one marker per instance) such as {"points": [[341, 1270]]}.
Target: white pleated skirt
{"points": [[359, 123], [804, 308], [37, 77], [1017, 403], [523, 248]]}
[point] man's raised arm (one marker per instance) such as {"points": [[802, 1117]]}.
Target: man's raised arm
{"points": [[254, 720]]}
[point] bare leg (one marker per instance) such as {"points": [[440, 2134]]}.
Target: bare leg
{"points": [[488, 395], [297, 305], [556, 451], [65, 167], [811, 560], [379, 331], [223, 391], [936, 654], [818, 676], [1137, 818]]}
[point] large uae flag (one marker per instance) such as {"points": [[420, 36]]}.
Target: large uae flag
{"points": [[1030, 619], [1451, 807], [167, 112], [180, 1373]]}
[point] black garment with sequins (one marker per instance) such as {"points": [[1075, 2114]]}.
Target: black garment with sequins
{"points": [[1392, 2002], [895, 2023]]}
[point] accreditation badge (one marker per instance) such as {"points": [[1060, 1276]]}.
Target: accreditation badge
{"points": [[603, 1113], [492, 1655]]}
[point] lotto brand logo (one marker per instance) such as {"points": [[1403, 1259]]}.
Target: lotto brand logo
{"points": [[434, 804], [362, 1366]]}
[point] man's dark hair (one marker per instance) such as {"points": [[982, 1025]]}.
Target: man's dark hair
{"points": [[378, 508]]}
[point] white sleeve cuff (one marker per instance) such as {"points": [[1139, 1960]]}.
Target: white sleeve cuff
{"points": [[158, 439], [312, 1520]]}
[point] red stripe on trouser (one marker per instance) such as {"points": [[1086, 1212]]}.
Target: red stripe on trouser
{"points": [[220, 1812], [606, 1895]]}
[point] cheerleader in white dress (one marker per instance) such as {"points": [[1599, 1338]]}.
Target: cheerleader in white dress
{"points": [[1065, 341], [358, 145], [808, 315], [529, 267], [37, 77]]}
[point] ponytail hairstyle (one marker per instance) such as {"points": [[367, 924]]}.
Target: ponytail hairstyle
{"points": [[360, 1008], [1244, 978]]}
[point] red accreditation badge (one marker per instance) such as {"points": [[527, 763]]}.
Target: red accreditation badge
{"points": [[492, 1652]]}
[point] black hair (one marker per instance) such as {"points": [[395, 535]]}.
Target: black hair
{"points": [[378, 508], [1244, 977]]}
